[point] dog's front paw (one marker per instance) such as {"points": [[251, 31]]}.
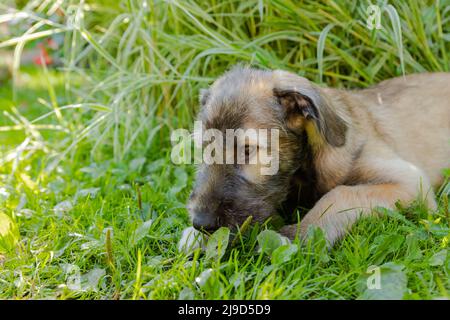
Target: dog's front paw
{"points": [[306, 231], [290, 231]]}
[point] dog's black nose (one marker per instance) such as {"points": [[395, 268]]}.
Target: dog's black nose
{"points": [[205, 222]]}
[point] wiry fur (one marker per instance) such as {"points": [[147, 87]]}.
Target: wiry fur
{"points": [[341, 152]]}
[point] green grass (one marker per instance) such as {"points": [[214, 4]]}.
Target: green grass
{"points": [[79, 186]]}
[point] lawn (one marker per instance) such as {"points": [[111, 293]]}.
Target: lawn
{"points": [[91, 206]]}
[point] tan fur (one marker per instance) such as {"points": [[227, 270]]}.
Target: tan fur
{"points": [[403, 128], [369, 148]]}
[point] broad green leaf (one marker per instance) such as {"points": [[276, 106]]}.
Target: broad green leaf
{"points": [[142, 231], [438, 258], [317, 244], [269, 240], [156, 165], [385, 245], [413, 251], [218, 243], [204, 277], [385, 282], [90, 281], [284, 253], [186, 294], [91, 192], [209, 282], [191, 239], [181, 180], [137, 164], [63, 207]]}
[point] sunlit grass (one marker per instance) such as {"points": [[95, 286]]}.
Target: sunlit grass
{"points": [[79, 144]]}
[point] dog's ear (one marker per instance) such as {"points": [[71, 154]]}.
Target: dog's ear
{"points": [[297, 109], [306, 109], [203, 97]]}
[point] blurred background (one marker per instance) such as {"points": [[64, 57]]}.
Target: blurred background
{"points": [[133, 68]]}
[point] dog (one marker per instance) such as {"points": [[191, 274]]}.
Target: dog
{"points": [[341, 152]]}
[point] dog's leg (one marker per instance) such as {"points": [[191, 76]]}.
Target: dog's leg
{"points": [[337, 210]]}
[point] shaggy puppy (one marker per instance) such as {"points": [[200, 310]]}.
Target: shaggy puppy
{"points": [[341, 153]]}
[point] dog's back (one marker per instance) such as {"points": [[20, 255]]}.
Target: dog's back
{"points": [[412, 115]]}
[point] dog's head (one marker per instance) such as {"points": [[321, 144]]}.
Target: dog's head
{"points": [[297, 119]]}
